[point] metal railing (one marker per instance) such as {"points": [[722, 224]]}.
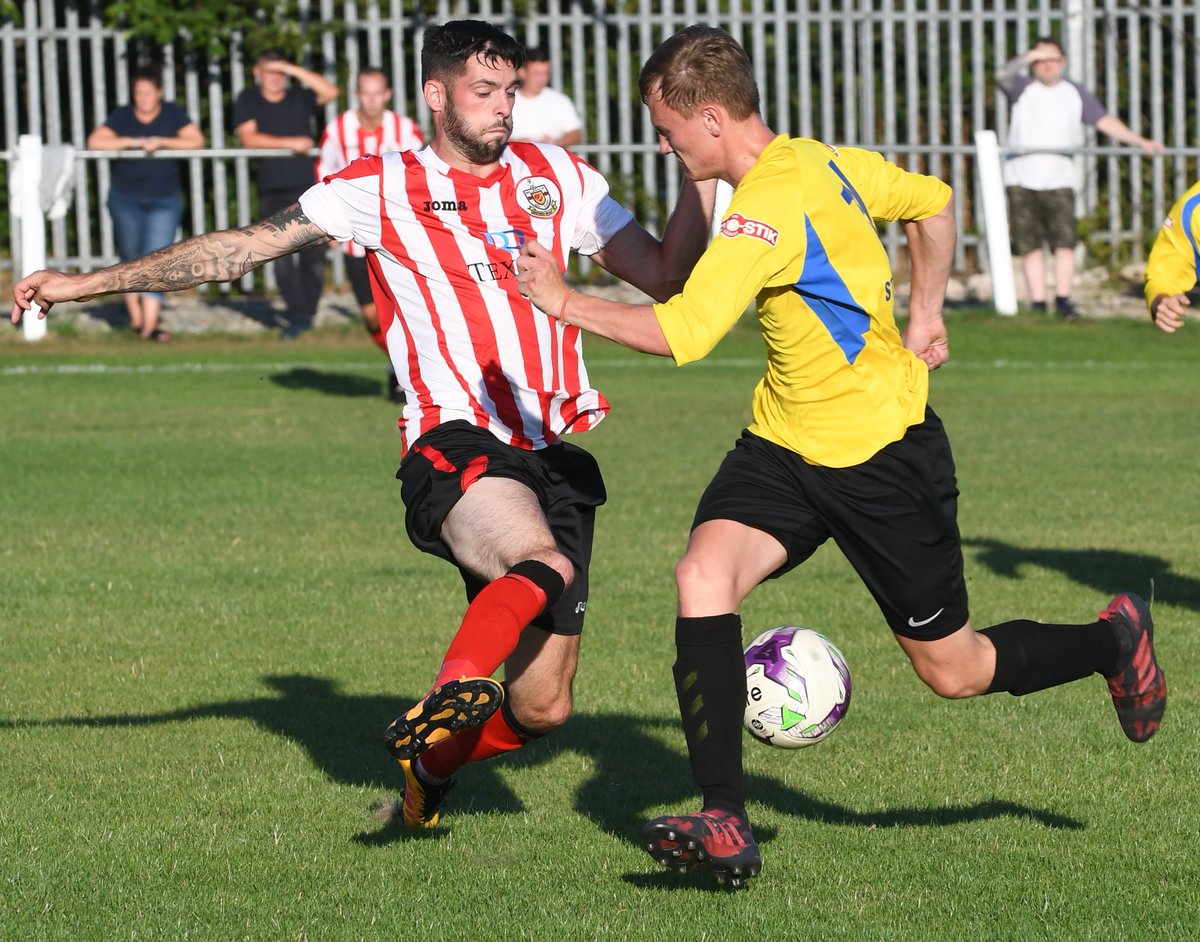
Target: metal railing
{"points": [[907, 78]]}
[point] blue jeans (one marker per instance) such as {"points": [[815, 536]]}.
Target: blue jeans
{"points": [[144, 223]]}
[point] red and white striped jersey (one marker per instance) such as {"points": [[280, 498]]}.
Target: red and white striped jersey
{"points": [[442, 249], [345, 140]]}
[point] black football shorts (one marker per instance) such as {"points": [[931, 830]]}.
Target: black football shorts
{"points": [[444, 462], [894, 517]]}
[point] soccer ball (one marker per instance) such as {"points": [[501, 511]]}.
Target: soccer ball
{"points": [[797, 687]]}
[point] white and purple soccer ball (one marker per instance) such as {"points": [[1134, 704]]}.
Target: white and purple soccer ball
{"points": [[797, 687]]}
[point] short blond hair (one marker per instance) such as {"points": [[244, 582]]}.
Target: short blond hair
{"points": [[697, 65]]}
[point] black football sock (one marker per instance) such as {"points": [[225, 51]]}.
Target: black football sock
{"points": [[710, 680], [1031, 656]]}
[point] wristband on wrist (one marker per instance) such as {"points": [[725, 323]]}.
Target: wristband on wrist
{"points": [[562, 309]]}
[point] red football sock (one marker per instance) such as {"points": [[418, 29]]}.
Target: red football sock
{"points": [[491, 627], [491, 739], [377, 336]]}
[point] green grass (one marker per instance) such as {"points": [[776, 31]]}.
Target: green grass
{"points": [[209, 612]]}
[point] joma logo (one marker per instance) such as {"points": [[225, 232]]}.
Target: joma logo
{"points": [[437, 206]]}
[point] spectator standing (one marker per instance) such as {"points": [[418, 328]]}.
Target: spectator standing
{"points": [[540, 113], [1172, 266], [145, 198], [274, 114], [1048, 111], [368, 129]]}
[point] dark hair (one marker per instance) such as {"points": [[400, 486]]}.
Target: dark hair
{"points": [[374, 70], [537, 54], [150, 74], [697, 65], [1050, 41], [448, 48], [270, 55]]}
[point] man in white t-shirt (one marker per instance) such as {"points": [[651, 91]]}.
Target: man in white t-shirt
{"points": [[368, 129], [541, 113], [1048, 112], [492, 384]]}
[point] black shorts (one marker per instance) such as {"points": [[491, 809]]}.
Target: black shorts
{"points": [[443, 463], [894, 517], [360, 281]]}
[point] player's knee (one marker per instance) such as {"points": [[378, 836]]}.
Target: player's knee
{"points": [[694, 577], [543, 713], [558, 562]]}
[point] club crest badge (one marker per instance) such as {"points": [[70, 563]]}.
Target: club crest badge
{"points": [[539, 196]]}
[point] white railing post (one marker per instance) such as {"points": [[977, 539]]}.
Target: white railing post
{"points": [[995, 222], [33, 224]]}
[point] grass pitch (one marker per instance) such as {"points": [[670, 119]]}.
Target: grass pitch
{"points": [[209, 612]]}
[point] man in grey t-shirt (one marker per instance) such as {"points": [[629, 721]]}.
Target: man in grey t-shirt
{"points": [[1049, 111]]}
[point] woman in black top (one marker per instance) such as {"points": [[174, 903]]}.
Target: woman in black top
{"points": [[146, 197]]}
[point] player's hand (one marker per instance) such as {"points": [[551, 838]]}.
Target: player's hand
{"points": [[44, 288], [1168, 312], [539, 277], [927, 339]]}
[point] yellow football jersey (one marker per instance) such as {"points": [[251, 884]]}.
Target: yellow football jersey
{"points": [[1172, 266], [800, 236]]}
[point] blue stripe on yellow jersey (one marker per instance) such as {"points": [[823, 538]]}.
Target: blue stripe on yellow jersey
{"points": [[799, 238], [825, 292], [1174, 259]]}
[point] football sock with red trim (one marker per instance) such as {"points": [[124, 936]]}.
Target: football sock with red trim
{"points": [[710, 681], [495, 618], [1031, 656], [500, 734]]}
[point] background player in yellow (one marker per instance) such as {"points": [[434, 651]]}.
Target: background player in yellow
{"points": [[842, 443], [1173, 263]]}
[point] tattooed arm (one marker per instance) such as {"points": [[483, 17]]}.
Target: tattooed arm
{"points": [[214, 256]]}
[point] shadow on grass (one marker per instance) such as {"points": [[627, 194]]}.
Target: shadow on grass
{"points": [[1108, 571], [632, 770], [332, 384]]}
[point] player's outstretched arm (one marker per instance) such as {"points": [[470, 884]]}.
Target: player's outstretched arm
{"points": [[931, 250], [631, 325], [213, 256]]}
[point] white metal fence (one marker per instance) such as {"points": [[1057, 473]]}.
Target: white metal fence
{"points": [[911, 78]]}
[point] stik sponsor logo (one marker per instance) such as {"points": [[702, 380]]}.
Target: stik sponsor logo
{"points": [[737, 224]]}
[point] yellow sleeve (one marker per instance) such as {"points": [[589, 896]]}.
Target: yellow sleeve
{"points": [[1171, 266], [756, 248], [889, 192]]}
